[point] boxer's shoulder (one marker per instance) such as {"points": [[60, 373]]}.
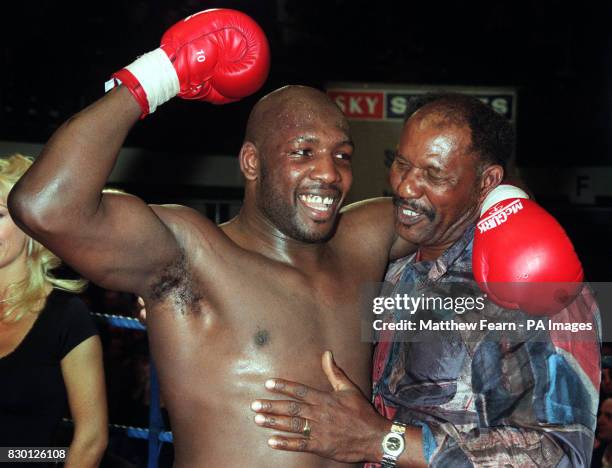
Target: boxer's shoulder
{"points": [[366, 223], [366, 213], [190, 228], [178, 215]]}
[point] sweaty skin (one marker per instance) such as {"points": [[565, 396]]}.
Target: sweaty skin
{"points": [[263, 295]]}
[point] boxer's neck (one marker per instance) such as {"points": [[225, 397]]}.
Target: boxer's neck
{"points": [[251, 230]]}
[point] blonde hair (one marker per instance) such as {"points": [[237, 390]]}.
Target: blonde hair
{"points": [[29, 295]]}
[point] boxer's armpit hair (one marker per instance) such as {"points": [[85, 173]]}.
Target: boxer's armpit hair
{"points": [[170, 277], [175, 283]]}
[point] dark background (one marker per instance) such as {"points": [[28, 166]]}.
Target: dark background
{"points": [[57, 55]]}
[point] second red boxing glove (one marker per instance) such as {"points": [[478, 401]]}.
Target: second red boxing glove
{"points": [[217, 56], [522, 257]]}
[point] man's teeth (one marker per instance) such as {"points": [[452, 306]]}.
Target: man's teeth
{"points": [[317, 202], [317, 199], [408, 212]]}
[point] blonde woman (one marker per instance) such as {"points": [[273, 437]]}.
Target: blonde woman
{"points": [[50, 353]]}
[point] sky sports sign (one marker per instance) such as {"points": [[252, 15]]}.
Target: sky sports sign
{"points": [[391, 104]]}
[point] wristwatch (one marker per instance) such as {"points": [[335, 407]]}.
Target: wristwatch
{"points": [[393, 445]]}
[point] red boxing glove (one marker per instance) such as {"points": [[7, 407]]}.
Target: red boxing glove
{"points": [[218, 56], [522, 257]]}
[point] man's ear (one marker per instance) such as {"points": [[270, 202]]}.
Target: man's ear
{"points": [[249, 161], [491, 177]]}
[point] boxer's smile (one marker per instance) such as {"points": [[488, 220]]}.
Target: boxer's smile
{"points": [[320, 206], [305, 172]]}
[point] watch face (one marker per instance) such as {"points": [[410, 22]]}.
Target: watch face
{"points": [[393, 444]]}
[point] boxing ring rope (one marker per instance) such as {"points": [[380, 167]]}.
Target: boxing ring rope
{"points": [[119, 321], [154, 433], [140, 432]]}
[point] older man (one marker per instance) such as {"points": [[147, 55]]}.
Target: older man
{"points": [[454, 398]]}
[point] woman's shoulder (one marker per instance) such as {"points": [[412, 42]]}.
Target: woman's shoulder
{"points": [[64, 303], [68, 311], [72, 318]]}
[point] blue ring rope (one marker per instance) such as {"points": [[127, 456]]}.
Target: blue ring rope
{"points": [[141, 433], [119, 321], [133, 432], [155, 433]]}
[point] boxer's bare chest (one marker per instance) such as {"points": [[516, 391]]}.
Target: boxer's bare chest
{"points": [[260, 317]]}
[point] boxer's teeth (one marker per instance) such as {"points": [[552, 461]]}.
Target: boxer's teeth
{"points": [[317, 202]]}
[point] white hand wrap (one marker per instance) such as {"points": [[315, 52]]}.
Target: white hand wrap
{"points": [[156, 75]]}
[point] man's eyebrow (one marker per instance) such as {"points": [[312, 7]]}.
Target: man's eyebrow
{"points": [[429, 166], [304, 139], [433, 163], [435, 168], [314, 139]]}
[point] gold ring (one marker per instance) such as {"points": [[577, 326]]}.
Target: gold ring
{"points": [[306, 430]]}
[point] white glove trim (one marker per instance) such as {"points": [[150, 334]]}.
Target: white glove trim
{"points": [[501, 193]]}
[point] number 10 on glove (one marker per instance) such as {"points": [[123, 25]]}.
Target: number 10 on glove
{"points": [[218, 56]]}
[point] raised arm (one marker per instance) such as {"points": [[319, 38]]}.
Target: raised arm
{"points": [[116, 240]]}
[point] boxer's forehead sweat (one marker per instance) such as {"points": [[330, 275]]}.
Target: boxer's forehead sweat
{"points": [[289, 108]]}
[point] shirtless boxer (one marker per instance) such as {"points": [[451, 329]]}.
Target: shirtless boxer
{"points": [[264, 294]]}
